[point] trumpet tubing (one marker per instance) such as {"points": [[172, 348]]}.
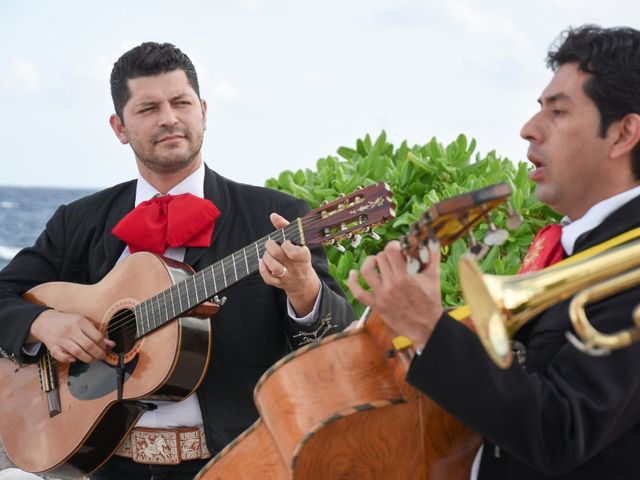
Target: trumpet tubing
{"points": [[593, 341]]}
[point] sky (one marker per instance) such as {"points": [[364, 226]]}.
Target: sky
{"points": [[286, 82]]}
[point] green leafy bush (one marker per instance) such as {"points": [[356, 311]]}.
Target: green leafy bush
{"points": [[419, 177]]}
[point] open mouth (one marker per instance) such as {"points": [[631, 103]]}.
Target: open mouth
{"points": [[538, 172], [533, 158]]}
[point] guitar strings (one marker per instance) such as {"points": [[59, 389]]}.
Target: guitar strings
{"points": [[126, 320]]}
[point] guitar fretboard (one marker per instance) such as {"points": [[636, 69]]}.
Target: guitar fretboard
{"points": [[198, 288]]}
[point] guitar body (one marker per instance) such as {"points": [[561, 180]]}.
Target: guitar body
{"points": [[166, 364]]}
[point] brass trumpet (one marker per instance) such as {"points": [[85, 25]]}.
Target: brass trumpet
{"points": [[500, 305]]}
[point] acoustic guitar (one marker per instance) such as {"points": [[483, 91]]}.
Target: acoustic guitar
{"points": [[340, 408], [70, 418]]}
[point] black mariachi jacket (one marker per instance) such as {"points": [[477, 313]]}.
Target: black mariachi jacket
{"points": [[564, 414]]}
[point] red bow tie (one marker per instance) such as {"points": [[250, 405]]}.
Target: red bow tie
{"points": [[546, 249], [168, 221]]}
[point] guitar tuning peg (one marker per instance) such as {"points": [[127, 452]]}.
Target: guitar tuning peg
{"points": [[340, 248], [477, 250], [495, 236], [355, 242], [514, 219], [374, 235]]}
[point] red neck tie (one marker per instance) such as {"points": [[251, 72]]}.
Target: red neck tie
{"points": [[545, 250], [168, 221]]}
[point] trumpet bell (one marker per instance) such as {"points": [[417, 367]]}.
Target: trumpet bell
{"points": [[480, 291]]}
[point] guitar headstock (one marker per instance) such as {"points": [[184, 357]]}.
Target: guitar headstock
{"points": [[349, 215], [450, 219]]}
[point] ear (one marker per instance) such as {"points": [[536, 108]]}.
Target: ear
{"points": [[203, 104], [118, 128], [626, 135]]}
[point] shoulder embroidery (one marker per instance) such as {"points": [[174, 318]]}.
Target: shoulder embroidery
{"points": [[520, 352], [10, 357], [318, 333]]}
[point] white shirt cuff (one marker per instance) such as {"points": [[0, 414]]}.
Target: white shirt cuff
{"points": [[309, 318], [31, 349]]}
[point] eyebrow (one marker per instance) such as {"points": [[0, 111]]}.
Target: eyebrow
{"points": [[555, 98], [179, 97], [147, 103]]}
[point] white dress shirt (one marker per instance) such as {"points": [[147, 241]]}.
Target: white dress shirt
{"points": [[571, 230], [187, 413]]}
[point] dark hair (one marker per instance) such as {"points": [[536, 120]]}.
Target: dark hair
{"points": [[612, 57], [148, 59]]}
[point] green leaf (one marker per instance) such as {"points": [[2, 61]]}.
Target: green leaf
{"points": [[347, 153]]}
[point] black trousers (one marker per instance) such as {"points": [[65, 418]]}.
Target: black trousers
{"points": [[121, 468]]}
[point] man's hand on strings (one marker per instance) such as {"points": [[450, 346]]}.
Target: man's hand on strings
{"points": [[69, 337], [288, 266], [410, 304]]}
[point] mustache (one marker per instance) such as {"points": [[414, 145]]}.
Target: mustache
{"points": [[166, 131]]}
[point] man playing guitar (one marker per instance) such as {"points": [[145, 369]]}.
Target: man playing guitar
{"points": [[159, 113]]}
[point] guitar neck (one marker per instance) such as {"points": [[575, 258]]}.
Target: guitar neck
{"points": [[200, 287], [332, 221]]}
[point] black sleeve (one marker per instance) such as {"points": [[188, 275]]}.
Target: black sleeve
{"points": [[335, 312], [33, 265]]}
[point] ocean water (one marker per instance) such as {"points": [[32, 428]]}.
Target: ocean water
{"points": [[24, 211]]}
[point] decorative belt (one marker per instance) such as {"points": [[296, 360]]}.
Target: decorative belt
{"points": [[164, 446]]}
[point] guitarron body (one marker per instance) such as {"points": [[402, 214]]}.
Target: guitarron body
{"points": [[167, 364], [340, 409]]}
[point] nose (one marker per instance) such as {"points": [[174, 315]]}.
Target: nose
{"points": [[167, 115], [531, 130]]}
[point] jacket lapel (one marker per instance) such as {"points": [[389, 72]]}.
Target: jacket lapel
{"points": [[215, 190], [112, 246]]}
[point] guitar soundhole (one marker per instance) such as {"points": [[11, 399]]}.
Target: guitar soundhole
{"points": [[122, 330]]}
